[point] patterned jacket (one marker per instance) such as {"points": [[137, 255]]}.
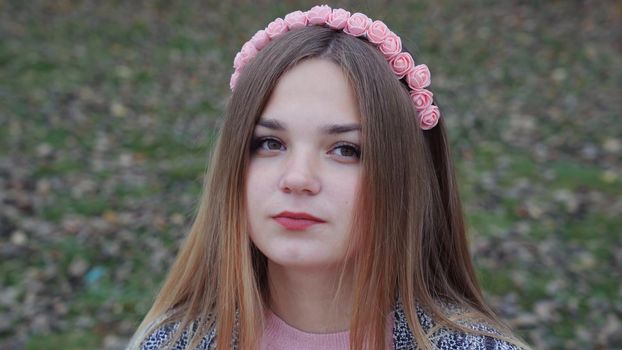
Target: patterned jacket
{"points": [[403, 338]]}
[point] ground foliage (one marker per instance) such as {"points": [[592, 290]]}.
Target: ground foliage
{"points": [[108, 110]]}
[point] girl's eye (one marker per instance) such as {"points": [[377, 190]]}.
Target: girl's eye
{"points": [[271, 144], [348, 151], [266, 144]]}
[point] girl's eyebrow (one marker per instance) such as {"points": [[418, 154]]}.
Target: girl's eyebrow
{"points": [[327, 129]]}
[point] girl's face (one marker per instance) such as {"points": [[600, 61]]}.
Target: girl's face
{"points": [[305, 168]]}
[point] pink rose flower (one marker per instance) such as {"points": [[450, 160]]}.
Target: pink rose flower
{"points": [[276, 28], [246, 54], [338, 19], [357, 24], [428, 118], [234, 79], [260, 39], [422, 98], [391, 46], [419, 77], [237, 61], [377, 32], [296, 19], [401, 64], [318, 15]]}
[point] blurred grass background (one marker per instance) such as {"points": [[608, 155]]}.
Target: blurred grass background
{"points": [[108, 109]]}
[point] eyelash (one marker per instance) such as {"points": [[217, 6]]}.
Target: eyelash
{"points": [[257, 142]]}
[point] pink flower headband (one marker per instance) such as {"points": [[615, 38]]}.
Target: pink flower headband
{"points": [[358, 25]]}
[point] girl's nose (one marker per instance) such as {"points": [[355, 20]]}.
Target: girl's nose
{"points": [[300, 176]]}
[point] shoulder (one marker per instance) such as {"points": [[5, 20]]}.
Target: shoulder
{"points": [[161, 337], [444, 338]]}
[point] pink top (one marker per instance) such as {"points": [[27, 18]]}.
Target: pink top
{"points": [[278, 335]]}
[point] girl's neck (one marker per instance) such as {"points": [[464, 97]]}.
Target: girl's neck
{"points": [[305, 299]]}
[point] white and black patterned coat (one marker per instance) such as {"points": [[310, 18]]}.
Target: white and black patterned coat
{"points": [[403, 338]]}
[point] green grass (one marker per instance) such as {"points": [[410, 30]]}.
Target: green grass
{"points": [[58, 167], [596, 227], [494, 282], [63, 205], [577, 176], [70, 340]]}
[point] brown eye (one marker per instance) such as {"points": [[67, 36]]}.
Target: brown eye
{"points": [[348, 151], [272, 144], [266, 144]]}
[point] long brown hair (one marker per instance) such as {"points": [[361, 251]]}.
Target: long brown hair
{"points": [[409, 229]]}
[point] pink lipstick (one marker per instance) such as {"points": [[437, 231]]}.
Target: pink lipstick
{"points": [[296, 221]]}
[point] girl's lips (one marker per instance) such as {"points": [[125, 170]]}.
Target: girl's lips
{"points": [[295, 224]]}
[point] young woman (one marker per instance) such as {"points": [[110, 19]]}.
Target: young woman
{"points": [[330, 217]]}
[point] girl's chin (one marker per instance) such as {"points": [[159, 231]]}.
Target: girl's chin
{"points": [[307, 263]]}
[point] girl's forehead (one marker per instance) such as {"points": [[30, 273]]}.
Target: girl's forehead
{"points": [[327, 126], [315, 90], [314, 73]]}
